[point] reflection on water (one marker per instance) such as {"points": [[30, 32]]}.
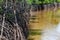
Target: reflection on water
{"points": [[53, 34], [47, 19]]}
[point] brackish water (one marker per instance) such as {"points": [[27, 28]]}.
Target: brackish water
{"points": [[42, 20]]}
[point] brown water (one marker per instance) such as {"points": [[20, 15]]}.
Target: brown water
{"points": [[47, 18]]}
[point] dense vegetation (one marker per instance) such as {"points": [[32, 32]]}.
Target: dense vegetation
{"points": [[13, 12], [42, 1], [15, 15]]}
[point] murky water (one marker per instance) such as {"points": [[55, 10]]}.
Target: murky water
{"points": [[47, 19]]}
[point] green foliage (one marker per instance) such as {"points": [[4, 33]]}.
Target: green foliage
{"points": [[42, 1], [10, 16], [46, 1], [58, 0], [38, 2], [1, 10], [1, 1], [29, 1]]}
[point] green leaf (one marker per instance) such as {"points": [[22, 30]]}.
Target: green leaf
{"points": [[29, 1], [1, 1], [58, 0]]}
